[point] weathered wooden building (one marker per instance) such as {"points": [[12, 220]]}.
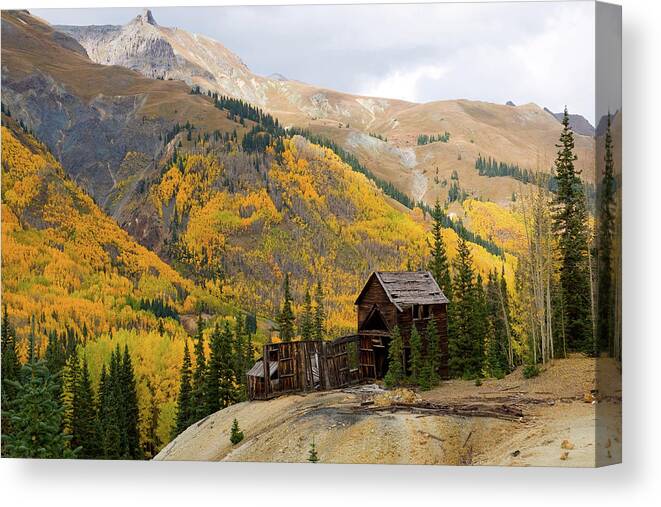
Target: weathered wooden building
{"points": [[402, 299], [388, 299]]}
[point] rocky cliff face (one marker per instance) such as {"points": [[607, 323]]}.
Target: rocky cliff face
{"points": [[92, 118], [171, 53], [166, 53]]}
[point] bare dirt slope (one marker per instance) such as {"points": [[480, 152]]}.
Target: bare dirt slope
{"points": [[557, 427]]}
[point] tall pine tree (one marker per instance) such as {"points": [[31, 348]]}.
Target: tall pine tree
{"points": [[306, 327], [10, 368], [198, 397], [35, 417], [497, 342], [395, 374], [239, 351], [184, 401], [415, 356], [465, 344], [439, 265], [319, 313], [109, 423], [131, 410], [286, 317], [84, 423], [571, 225], [605, 266], [212, 377]]}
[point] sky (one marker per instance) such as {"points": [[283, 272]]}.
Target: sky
{"points": [[540, 52]]}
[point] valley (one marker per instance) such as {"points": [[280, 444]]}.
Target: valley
{"points": [[166, 212]]}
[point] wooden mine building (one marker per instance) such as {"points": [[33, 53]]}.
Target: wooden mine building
{"points": [[388, 299]]}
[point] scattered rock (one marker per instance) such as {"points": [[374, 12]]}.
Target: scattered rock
{"points": [[515, 453], [566, 444], [400, 395], [564, 456]]}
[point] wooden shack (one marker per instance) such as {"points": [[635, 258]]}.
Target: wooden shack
{"points": [[388, 299], [287, 367], [402, 299]]}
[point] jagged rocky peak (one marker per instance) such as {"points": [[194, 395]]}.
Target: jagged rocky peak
{"points": [[146, 17]]}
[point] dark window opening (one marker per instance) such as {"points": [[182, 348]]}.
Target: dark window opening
{"points": [[374, 322], [420, 312]]}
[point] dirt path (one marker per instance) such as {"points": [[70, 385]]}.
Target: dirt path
{"points": [[557, 428]]}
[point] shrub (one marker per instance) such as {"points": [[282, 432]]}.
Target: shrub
{"points": [[530, 370], [237, 434]]}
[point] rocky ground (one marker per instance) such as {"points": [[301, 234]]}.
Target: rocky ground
{"points": [[553, 423]]}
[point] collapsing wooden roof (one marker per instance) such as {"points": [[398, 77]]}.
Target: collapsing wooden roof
{"points": [[405, 288], [258, 369]]}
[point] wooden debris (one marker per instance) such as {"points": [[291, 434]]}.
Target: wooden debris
{"points": [[497, 411]]}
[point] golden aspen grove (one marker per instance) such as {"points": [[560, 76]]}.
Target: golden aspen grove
{"points": [[199, 262]]}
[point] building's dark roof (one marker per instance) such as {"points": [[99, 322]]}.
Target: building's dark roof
{"points": [[409, 288]]}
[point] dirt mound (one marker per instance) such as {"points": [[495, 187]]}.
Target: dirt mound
{"points": [[558, 428]]}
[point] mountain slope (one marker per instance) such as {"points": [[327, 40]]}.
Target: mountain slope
{"points": [[523, 135], [171, 53], [64, 259], [229, 204], [243, 220], [91, 116]]}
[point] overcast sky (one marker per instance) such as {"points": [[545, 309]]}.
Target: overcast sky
{"points": [[523, 52]]}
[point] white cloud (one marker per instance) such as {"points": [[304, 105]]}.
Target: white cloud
{"points": [[539, 52], [403, 84]]}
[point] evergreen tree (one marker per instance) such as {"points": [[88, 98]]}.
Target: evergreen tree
{"points": [[251, 323], [212, 377], [84, 423], [415, 357], [108, 418], [219, 384], [236, 435], [238, 354], [319, 330], [439, 265], [479, 323], [36, 417], [227, 380], [69, 379], [153, 441], [432, 359], [570, 223], [249, 355], [198, 397], [55, 353], [32, 351], [131, 410], [313, 457], [184, 406], [286, 317], [10, 368], [307, 319], [605, 266], [465, 345], [395, 374], [497, 342]]}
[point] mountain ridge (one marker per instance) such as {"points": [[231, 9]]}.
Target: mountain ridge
{"points": [[522, 135]]}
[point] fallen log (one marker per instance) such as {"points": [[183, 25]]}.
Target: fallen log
{"points": [[497, 411]]}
